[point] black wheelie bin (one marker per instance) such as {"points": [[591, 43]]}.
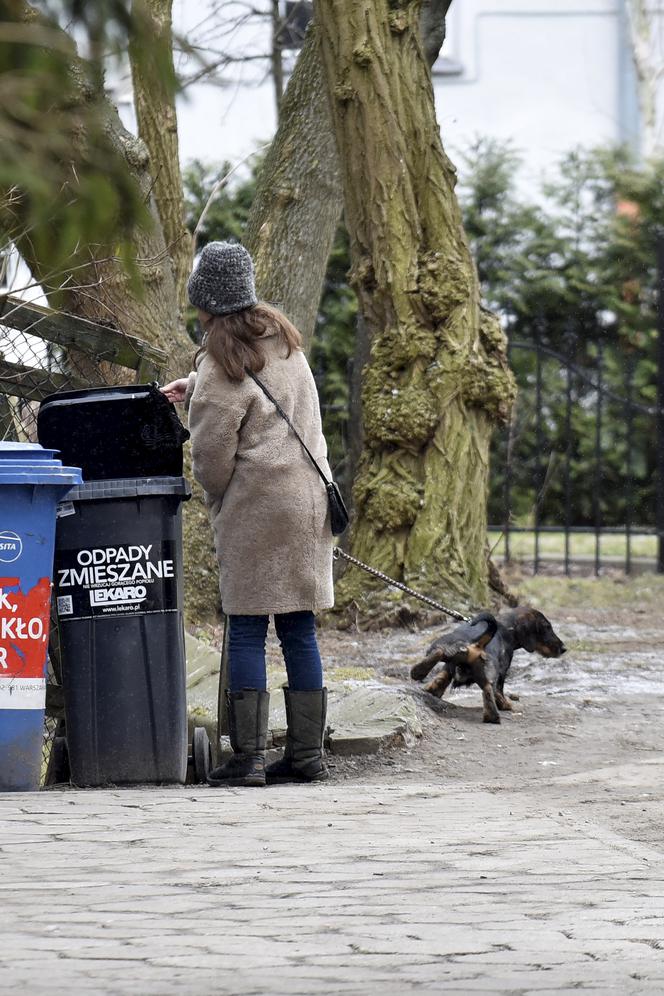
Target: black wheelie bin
{"points": [[118, 584]]}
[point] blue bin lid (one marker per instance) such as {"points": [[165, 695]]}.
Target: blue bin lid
{"points": [[30, 463]]}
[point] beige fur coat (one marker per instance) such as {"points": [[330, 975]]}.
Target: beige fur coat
{"points": [[267, 504]]}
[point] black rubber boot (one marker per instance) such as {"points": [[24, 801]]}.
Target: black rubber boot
{"points": [[303, 759], [248, 715]]}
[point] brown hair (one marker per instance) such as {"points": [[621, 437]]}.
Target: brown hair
{"points": [[234, 340]]}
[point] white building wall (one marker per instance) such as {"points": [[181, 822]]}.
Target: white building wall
{"points": [[218, 125], [218, 120], [546, 74]]}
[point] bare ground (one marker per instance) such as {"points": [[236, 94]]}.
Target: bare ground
{"points": [[587, 731]]}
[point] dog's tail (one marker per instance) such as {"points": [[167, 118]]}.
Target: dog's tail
{"points": [[484, 627]]}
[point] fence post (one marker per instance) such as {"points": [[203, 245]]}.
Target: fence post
{"points": [[570, 355], [659, 493]]}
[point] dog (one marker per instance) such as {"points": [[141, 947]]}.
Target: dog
{"points": [[480, 653]]}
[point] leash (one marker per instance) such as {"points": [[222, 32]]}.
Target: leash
{"points": [[397, 584]]}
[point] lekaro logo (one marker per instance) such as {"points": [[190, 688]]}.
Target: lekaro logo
{"points": [[11, 547]]}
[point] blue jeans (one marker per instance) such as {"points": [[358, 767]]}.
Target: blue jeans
{"points": [[297, 636]]}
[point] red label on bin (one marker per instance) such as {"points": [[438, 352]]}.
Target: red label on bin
{"points": [[24, 625]]}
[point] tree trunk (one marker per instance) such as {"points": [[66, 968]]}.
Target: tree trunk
{"points": [[276, 56], [432, 27], [437, 380], [432, 33], [154, 100], [298, 199], [95, 284]]}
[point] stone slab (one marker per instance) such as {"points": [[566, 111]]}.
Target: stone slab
{"points": [[203, 662], [363, 715]]}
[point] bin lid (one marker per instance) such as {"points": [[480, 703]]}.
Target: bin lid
{"points": [[131, 487], [114, 433], [30, 463]]}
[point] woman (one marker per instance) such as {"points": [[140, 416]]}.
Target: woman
{"points": [[268, 508]]}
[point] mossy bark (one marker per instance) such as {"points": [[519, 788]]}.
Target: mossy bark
{"points": [[94, 282], [298, 200], [299, 197], [154, 100], [437, 380]]}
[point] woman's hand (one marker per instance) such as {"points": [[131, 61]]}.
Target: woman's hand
{"points": [[175, 391]]}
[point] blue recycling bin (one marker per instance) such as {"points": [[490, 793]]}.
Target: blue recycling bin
{"points": [[32, 482]]}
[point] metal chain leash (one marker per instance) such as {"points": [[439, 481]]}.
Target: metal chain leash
{"points": [[397, 584]]}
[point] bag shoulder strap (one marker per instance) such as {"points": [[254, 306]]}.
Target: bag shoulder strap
{"points": [[286, 419]]}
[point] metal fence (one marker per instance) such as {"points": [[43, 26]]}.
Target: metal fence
{"points": [[578, 476]]}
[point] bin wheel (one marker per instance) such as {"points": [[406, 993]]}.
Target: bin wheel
{"points": [[202, 754], [58, 771]]}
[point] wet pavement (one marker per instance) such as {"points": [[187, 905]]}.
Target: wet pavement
{"points": [[521, 858], [354, 889]]}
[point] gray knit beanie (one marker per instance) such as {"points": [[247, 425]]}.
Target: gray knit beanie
{"points": [[223, 281]]}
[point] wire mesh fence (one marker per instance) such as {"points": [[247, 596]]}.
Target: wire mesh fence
{"points": [[42, 353]]}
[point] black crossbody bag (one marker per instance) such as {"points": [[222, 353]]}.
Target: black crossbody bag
{"points": [[338, 512]]}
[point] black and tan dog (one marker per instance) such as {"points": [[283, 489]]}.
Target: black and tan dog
{"points": [[480, 653]]}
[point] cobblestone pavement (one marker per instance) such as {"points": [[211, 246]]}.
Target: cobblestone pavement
{"points": [[348, 889]]}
